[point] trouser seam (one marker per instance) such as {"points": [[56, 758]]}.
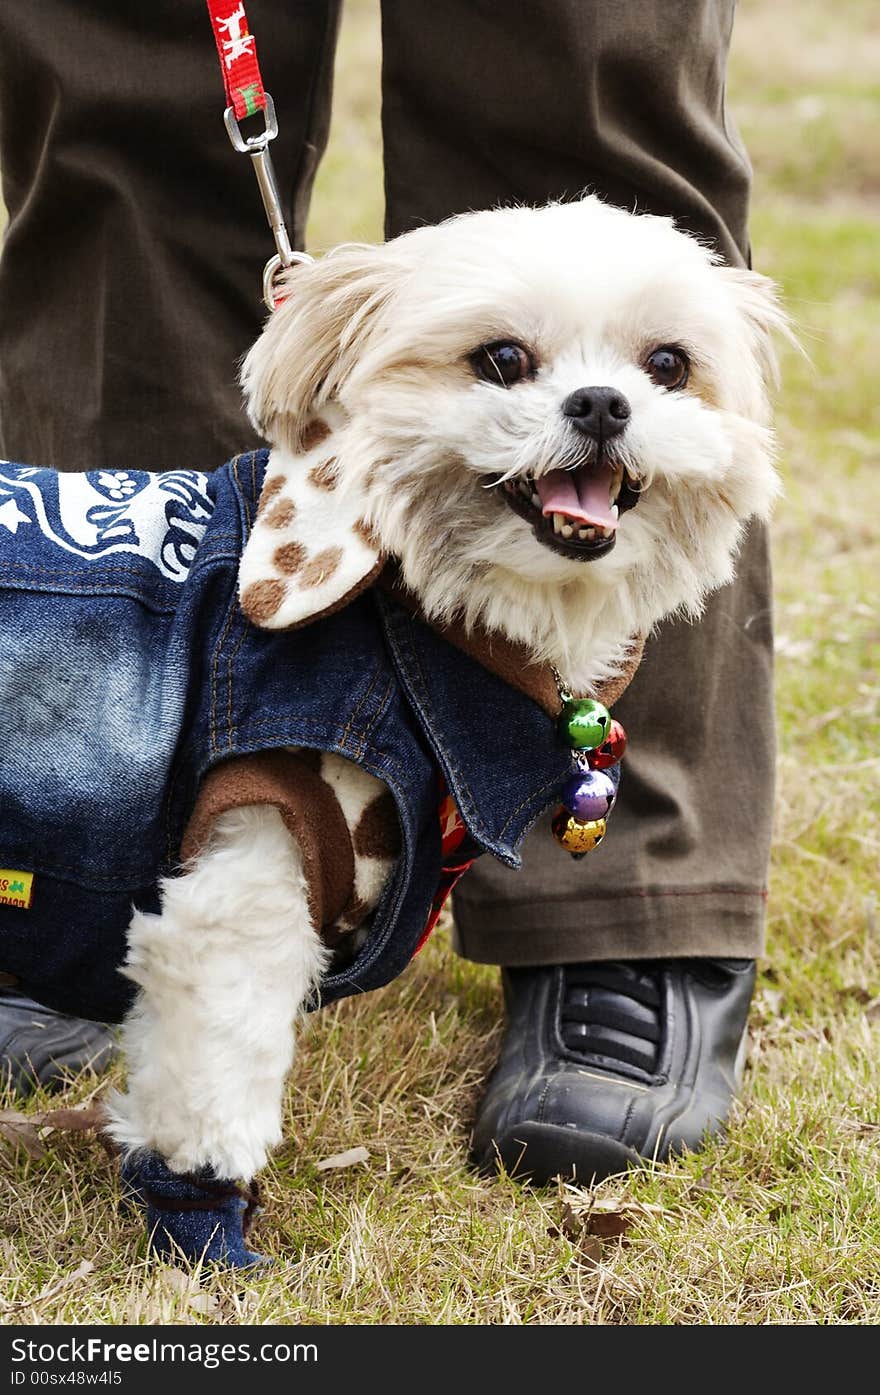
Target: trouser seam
{"points": [[636, 893]]}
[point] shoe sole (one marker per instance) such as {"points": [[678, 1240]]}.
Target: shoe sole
{"points": [[541, 1152]]}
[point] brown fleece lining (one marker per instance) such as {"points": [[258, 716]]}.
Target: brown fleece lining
{"points": [[309, 809], [506, 659], [378, 832]]}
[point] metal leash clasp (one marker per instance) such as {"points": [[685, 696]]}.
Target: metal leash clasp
{"points": [[257, 146]]}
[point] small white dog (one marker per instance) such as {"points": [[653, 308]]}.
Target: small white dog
{"points": [[554, 421]]}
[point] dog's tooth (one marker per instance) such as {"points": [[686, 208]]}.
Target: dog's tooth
{"points": [[590, 532], [558, 520], [615, 511], [524, 488], [536, 500], [566, 530], [582, 534]]}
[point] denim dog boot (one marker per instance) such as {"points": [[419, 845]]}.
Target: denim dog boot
{"points": [[194, 1214]]}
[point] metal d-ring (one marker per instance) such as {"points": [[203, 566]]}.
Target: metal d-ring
{"points": [[246, 145], [273, 269]]}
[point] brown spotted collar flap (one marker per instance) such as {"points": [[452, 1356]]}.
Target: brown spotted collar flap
{"points": [[309, 552]]}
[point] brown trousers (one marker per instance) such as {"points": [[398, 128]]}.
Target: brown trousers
{"points": [[129, 289]]}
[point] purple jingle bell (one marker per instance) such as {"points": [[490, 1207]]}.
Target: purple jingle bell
{"points": [[589, 794]]}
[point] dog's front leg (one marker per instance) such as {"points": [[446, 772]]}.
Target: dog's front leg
{"points": [[223, 973]]}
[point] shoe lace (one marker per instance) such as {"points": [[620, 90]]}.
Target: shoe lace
{"points": [[613, 1011]]}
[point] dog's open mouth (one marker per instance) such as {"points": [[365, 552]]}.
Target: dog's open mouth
{"points": [[575, 512]]}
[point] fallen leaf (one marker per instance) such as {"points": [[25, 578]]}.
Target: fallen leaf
{"points": [[14, 1116], [572, 1223], [89, 1116], [204, 1303], [174, 1280], [51, 1290], [589, 1249], [180, 1283], [349, 1158], [608, 1225], [603, 1223], [22, 1129], [23, 1134], [872, 1011]]}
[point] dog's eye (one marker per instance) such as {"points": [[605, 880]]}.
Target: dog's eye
{"points": [[505, 362], [667, 367]]}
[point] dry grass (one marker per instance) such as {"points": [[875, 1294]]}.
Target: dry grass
{"points": [[780, 1223]]}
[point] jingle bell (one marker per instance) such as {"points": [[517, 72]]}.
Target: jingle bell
{"points": [[590, 794], [577, 838], [584, 723], [612, 748]]}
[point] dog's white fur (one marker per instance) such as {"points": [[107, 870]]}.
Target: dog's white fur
{"points": [[382, 336], [222, 973], [378, 341]]}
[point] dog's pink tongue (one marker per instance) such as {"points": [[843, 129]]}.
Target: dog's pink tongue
{"points": [[580, 494]]}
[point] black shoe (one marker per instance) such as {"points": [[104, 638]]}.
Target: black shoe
{"points": [[42, 1047], [606, 1065]]}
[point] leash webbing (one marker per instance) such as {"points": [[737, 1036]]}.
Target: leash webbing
{"points": [[246, 96], [237, 51]]}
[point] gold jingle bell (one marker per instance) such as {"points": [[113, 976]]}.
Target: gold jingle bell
{"points": [[577, 838]]}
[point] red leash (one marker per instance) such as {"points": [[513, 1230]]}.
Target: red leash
{"points": [[246, 96], [237, 51]]}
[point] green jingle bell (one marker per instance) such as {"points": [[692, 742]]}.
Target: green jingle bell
{"points": [[584, 723], [577, 838]]}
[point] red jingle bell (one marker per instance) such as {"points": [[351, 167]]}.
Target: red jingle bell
{"points": [[612, 748]]}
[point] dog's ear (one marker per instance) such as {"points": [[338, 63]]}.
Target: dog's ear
{"points": [[312, 341], [763, 321]]}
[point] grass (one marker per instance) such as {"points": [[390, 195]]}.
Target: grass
{"points": [[780, 1223]]}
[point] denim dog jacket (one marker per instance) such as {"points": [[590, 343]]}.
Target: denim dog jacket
{"points": [[129, 672]]}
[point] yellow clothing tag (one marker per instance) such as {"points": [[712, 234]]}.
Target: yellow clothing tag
{"points": [[16, 888]]}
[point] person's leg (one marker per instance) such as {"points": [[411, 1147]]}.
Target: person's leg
{"points": [[130, 273], [551, 99]]}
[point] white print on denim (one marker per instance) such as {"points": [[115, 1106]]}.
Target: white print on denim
{"points": [[159, 517], [11, 516]]}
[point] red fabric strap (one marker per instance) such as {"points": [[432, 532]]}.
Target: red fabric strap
{"points": [[237, 49]]}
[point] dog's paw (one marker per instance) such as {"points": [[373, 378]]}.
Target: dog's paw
{"points": [[195, 1216]]}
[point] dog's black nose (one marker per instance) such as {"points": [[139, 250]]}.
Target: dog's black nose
{"points": [[600, 412]]}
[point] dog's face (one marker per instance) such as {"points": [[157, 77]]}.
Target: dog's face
{"points": [[557, 417]]}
